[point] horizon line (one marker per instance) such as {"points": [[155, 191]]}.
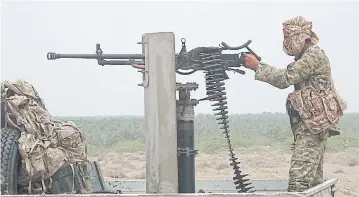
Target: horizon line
{"points": [[282, 113]]}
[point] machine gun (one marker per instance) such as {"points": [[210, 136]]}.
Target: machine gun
{"points": [[214, 64], [191, 60]]}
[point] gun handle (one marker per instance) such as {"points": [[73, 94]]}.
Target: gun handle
{"points": [[253, 53], [241, 58]]}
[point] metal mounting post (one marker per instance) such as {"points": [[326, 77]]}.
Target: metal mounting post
{"points": [[160, 113], [185, 138]]}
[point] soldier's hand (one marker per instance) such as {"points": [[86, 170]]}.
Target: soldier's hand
{"points": [[138, 66], [250, 61]]}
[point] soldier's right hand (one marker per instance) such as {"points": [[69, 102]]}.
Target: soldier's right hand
{"points": [[251, 61]]}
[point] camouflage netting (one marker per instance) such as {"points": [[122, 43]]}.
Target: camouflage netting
{"points": [[45, 144]]}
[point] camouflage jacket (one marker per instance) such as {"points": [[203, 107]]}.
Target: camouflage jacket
{"points": [[310, 75]]}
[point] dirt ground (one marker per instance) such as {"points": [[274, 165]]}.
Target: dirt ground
{"points": [[262, 163]]}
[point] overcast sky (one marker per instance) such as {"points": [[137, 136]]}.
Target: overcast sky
{"points": [[81, 87]]}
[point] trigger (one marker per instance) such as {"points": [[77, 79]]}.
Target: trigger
{"points": [[242, 72]]}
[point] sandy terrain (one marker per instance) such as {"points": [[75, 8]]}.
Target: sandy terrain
{"points": [[260, 164]]}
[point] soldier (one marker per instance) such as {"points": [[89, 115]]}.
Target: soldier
{"points": [[314, 107]]}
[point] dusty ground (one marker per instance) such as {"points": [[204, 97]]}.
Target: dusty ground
{"points": [[260, 164]]}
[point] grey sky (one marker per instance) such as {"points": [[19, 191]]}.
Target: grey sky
{"points": [[81, 87]]}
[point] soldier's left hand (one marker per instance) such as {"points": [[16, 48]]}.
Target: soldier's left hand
{"points": [[138, 66], [250, 61]]}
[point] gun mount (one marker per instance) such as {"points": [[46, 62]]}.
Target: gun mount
{"points": [[213, 63]]}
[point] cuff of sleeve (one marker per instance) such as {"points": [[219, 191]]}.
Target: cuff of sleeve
{"points": [[257, 72]]}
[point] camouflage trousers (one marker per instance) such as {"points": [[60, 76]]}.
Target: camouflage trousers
{"points": [[306, 165]]}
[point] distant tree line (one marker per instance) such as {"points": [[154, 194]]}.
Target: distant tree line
{"points": [[127, 133]]}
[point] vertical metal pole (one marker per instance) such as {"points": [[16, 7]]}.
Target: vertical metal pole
{"points": [[185, 140], [160, 113]]}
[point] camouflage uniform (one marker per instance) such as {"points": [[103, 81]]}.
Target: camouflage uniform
{"points": [[312, 68]]}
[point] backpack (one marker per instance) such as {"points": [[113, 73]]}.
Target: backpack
{"points": [[46, 144]]}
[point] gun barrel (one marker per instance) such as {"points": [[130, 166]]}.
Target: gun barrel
{"points": [[53, 56]]}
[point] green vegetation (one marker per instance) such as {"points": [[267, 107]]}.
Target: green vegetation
{"points": [[126, 133]]}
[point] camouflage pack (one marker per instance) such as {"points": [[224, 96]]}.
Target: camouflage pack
{"points": [[319, 110], [45, 144]]}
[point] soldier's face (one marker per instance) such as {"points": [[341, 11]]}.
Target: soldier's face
{"points": [[287, 44]]}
